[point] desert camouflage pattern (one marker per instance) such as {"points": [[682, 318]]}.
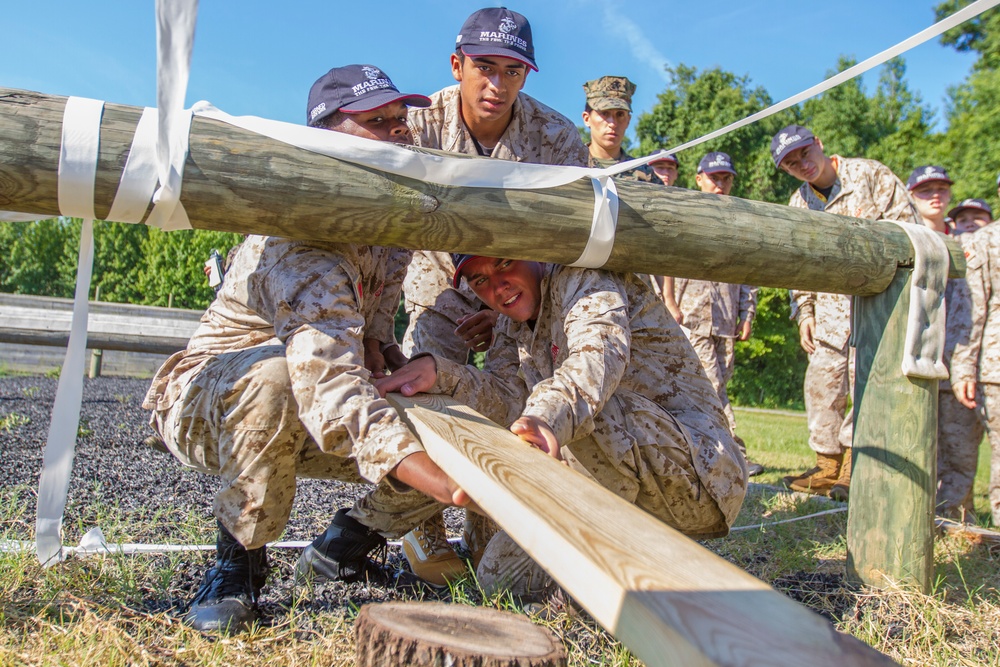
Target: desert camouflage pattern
{"points": [[977, 350], [643, 174], [611, 373], [959, 429], [536, 134], [864, 189], [272, 385]]}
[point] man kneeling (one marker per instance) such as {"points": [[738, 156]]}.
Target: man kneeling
{"points": [[588, 366], [275, 384]]}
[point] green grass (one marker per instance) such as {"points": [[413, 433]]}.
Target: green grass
{"points": [[116, 609]]}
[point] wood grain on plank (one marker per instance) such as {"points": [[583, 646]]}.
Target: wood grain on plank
{"points": [[668, 599]]}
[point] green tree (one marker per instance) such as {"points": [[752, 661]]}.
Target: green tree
{"points": [[118, 259], [696, 103], [174, 268], [33, 254], [980, 34]]}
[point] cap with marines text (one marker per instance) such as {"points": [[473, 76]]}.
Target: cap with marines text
{"points": [[789, 139], [497, 31], [977, 204], [353, 89], [927, 174], [716, 162]]}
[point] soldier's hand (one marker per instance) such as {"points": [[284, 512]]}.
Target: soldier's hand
{"points": [[534, 431], [965, 392], [743, 329], [477, 329], [374, 361], [417, 376], [420, 472], [394, 357], [807, 333]]}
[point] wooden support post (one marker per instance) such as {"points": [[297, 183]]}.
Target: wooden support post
{"points": [[890, 523], [668, 599]]}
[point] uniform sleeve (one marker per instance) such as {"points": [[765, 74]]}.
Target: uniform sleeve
{"points": [[568, 149], [594, 313], [968, 332], [316, 314], [382, 326], [891, 197], [497, 392], [748, 303], [803, 305]]}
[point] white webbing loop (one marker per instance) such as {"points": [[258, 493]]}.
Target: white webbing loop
{"points": [[923, 347], [78, 155], [603, 227], [139, 177]]}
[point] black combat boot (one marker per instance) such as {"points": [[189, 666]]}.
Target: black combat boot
{"points": [[341, 552], [227, 599]]}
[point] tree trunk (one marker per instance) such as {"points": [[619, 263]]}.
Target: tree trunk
{"points": [[435, 634]]}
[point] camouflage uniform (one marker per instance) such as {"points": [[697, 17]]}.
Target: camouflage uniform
{"points": [[643, 174], [611, 373], [977, 352], [272, 386], [536, 134], [959, 428], [712, 312], [868, 190]]}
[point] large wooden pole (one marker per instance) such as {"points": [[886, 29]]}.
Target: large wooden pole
{"points": [[671, 601], [238, 181], [891, 519]]}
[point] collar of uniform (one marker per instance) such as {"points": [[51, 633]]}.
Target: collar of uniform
{"points": [[464, 142]]}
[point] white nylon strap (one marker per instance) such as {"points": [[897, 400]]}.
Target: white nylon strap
{"points": [[175, 21], [603, 227], [77, 173], [139, 177], [923, 348]]}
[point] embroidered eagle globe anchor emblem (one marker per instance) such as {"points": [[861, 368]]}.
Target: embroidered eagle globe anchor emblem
{"points": [[508, 25], [372, 73]]}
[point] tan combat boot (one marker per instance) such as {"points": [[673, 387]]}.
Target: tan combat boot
{"points": [[842, 488], [430, 555], [818, 480]]}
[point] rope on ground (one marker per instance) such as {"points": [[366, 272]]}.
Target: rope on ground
{"points": [[760, 526]]}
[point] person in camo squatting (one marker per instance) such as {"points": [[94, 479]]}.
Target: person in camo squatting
{"points": [[276, 384], [486, 114], [588, 366]]}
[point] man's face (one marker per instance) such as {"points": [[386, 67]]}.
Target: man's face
{"points": [[932, 198], [806, 163], [667, 171], [387, 123], [607, 128], [719, 183], [511, 287], [488, 85], [969, 220]]}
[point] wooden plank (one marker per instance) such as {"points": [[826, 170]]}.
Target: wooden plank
{"points": [[239, 181], [669, 600], [890, 520]]}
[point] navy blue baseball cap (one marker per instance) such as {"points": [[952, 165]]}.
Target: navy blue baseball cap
{"points": [[354, 89], [789, 139], [460, 260], [716, 162], [978, 204], [497, 31], [664, 156], [927, 174]]}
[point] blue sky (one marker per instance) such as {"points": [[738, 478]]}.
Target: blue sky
{"points": [[259, 57]]}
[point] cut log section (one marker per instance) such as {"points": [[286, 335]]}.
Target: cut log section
{"points": [[430, 634]]}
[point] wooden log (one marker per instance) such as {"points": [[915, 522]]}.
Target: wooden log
{"points": [[890, 521], [238, 181], [668, 599], [432, 634]]}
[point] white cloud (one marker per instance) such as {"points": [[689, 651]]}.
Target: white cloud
{"points": [[642, 48]]}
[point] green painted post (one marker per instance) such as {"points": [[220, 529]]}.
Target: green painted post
{"points": [[891, 518]]}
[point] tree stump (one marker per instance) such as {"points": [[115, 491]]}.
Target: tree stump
{"points": [[436, 634]]}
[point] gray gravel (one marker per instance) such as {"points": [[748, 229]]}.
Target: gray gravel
{"points": [[150, 489]]}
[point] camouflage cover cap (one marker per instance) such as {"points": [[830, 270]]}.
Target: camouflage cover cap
{"points": [[610, 92]]}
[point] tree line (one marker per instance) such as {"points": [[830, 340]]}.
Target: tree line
{"points": [[142, 265]]}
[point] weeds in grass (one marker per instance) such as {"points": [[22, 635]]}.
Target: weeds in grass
{"points": [[30, 392], [12, 420]]}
